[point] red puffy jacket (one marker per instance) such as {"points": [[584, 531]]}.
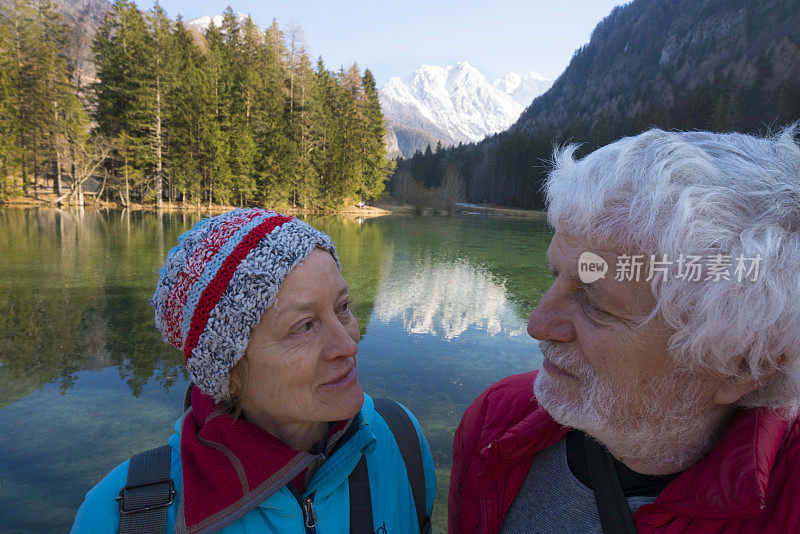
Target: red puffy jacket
{"points": [[748, 483]]}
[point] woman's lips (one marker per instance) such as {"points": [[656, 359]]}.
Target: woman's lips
{"points": [[343, 380], [554, 370]]}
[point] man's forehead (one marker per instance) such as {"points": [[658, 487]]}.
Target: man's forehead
{"points": [[564, 255]]}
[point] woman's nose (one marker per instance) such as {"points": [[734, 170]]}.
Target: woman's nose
{"points": [[550, 319], [341, 342]]}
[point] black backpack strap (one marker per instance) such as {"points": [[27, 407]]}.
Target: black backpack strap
{"points": [[149, 491], [360, 499], [405, 434], [612, 506], [187, 397]]}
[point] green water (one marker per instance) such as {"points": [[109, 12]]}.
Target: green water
{"points": [[85, 380]]}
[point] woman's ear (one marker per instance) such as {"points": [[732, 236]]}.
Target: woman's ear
{"points": [[238, 378]]}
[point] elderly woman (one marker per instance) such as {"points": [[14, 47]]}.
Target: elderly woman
{"points": [[277, 435]]}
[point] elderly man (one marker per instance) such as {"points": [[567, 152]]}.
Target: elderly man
{"points": [[670, 385]]}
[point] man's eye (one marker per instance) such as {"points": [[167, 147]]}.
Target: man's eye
{"points": [[344, 308], [590, 308]]}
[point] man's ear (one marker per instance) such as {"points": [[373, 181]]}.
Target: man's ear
{"points": [[731, 389]]}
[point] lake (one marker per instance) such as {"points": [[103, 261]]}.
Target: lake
{"points": [[85, 380]]}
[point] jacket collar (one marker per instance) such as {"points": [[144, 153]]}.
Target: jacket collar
{"points": [[730, 481], [535, 432], [230, 466]]}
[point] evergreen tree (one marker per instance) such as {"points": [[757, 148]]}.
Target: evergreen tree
{"points": [[22, 77], [308, 133], [187, 109], [161, 59], [269, 122], [377, 167], [245, 52], [9, 98], [67, 123], [348, 138], [124, 96], [214, 132]]}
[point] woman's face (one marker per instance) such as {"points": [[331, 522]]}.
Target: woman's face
{"points": [[301, 358]]}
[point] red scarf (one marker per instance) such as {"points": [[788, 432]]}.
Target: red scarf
{"points": [[230, 465]]}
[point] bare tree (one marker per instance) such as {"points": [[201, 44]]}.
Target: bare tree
{"points": [[451, 192], [403, 184], [84, 156]]}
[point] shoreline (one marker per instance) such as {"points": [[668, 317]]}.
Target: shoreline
{"points": [[26, 202]]}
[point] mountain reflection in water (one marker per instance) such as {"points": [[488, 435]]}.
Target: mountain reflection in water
{"points": [[445, 299]]}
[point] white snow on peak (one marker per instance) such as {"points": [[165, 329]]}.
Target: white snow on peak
{"points": [[202, 23], [457, 103], [523, 89]]}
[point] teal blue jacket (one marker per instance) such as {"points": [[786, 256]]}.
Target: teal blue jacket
{"points": [[393, 510]]}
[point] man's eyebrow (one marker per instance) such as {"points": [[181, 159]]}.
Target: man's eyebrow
{"points": [[592, 290]]}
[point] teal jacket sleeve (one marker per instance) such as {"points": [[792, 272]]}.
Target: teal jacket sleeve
{"points": [[99, 512]]}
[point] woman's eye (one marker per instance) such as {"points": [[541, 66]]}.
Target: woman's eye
{"points": [[307, 326]]}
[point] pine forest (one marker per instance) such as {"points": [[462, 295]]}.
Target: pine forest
{"points": [[234, 115]]}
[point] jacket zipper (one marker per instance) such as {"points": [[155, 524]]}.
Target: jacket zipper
{"points": [[307, 507], [309, 517]]}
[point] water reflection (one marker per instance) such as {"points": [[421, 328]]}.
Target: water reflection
{"points": [[73, 290], [442, 303], [445, 299]]}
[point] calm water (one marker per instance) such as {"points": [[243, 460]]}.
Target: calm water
{"points": [[85, 380]]}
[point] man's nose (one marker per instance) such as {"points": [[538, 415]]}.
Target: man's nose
{"points": [[550, 319]]}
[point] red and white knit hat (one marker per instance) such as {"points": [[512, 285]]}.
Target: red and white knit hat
{"points": [[217, 282]]}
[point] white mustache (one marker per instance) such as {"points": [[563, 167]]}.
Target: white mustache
{"points": [[565, 359]]}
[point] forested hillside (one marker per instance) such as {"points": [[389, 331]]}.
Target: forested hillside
{"points": [[678, 64], [236, 115]]}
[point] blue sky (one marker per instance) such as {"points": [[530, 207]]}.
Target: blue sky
{"points": [[393, 39]]}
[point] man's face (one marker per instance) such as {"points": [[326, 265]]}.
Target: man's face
{"points": [[606, 373]]}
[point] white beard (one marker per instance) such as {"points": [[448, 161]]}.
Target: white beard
{"points": [[657, 421]]}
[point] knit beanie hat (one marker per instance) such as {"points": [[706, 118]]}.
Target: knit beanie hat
{"points": [[217, 282]]}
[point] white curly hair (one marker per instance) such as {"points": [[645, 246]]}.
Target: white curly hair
{"points": [[707, 194]]}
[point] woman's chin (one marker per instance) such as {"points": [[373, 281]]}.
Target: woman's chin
{"points": [[345, 403]]}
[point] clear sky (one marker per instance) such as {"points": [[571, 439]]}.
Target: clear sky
{"points": [[394, 38]]}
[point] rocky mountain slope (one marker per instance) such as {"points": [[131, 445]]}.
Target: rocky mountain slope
{"points": [[651, 53], [452, 105]]}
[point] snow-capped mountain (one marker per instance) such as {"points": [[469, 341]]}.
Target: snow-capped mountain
{"points": [[202, 23], [453, 104], [523, 89]]}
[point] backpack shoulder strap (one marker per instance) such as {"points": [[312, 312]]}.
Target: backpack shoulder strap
{"points": [[149, 491], [360, 499], [405, 434], [612, 506]]}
